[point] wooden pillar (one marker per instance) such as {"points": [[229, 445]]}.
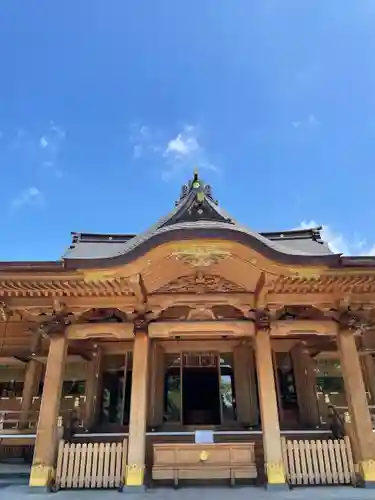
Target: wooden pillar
{"points": [[357, 403], [277, 386], [305, 381], [245, 386], [93, 387], [138, 412], [157, 380], [368, 363], [43, 467], [274, 466], [30, 389]]}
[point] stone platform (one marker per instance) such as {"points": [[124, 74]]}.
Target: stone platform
{"points": [[207, 493]]}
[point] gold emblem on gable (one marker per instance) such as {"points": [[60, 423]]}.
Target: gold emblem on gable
{"points": [[201, 256]]}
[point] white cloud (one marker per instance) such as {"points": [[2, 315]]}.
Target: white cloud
{"points": [[51, 144], [313, 120], [310, 121], [177, 153], [30, 196], [184, 152], [339, 243], [141, 140], [184, 144], [43, 142], [39, 150]]}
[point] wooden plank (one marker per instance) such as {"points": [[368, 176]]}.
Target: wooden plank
{"points": [[292, 468], [107, 460], [339, 462], [88, 473], [315, 463], [120, 473], [69, 479], [284, 449], [77, 465], [323, 475], [82, 468], [327, 462], [309, 463], [345, 464], [95, 453], [350, 459], [112, 466], [303, 451], [297, 462], [99, 474], [332, 459], [60, 455], [64, 472]]}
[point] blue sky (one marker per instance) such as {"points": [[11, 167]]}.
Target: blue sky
{"points": [[107, 106]]}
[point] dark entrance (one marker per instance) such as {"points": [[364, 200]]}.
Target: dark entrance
{"points": [[201, 396], [116, 394]]}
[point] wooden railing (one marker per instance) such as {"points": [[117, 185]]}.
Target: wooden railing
{"points": [[12, 416], [310, 462], [16, 419], [91, 465]]}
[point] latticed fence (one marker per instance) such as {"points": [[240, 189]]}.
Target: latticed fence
{"points": [[90, 465], [318, 461]]}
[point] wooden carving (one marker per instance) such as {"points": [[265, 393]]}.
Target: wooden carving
{"points": [[201, 256], [200, 283]]}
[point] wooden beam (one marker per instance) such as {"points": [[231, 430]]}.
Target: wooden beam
{"points": [[115, 346], [177, 346], [84, 331], [137, 286], [315, 299], [10, 361], [165, 300], [197, 329], [304, 327], [90, 302]]}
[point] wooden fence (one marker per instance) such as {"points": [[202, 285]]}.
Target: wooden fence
{"points": [[90, 465], [318, 461]]}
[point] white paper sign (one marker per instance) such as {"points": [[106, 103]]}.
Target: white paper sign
{"points": [[204, 437]]}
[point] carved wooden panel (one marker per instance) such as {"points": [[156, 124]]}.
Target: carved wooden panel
{"points": [[200, 283]]}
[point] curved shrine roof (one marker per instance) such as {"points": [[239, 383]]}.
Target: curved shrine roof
{"points": [[197, 215]]}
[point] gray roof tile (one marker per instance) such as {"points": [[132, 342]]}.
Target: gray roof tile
{"points": [[195, 211]]}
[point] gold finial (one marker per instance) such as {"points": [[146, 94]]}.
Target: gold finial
{"points": [[196, 174]]}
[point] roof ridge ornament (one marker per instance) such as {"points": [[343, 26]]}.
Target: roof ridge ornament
{"points": [[197, 186]]}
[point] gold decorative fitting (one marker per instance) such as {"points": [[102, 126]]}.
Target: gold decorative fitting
{"points": [[201, 256], [367, 468], [5, 312], [200, 283], [203, 456], [134, 475], [262, 319], [275, 472]]}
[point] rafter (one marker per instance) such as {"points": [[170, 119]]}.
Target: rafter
{"points": [[136, 284]]}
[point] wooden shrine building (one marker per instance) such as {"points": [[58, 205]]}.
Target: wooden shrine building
{"points": [[197, 324]]}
